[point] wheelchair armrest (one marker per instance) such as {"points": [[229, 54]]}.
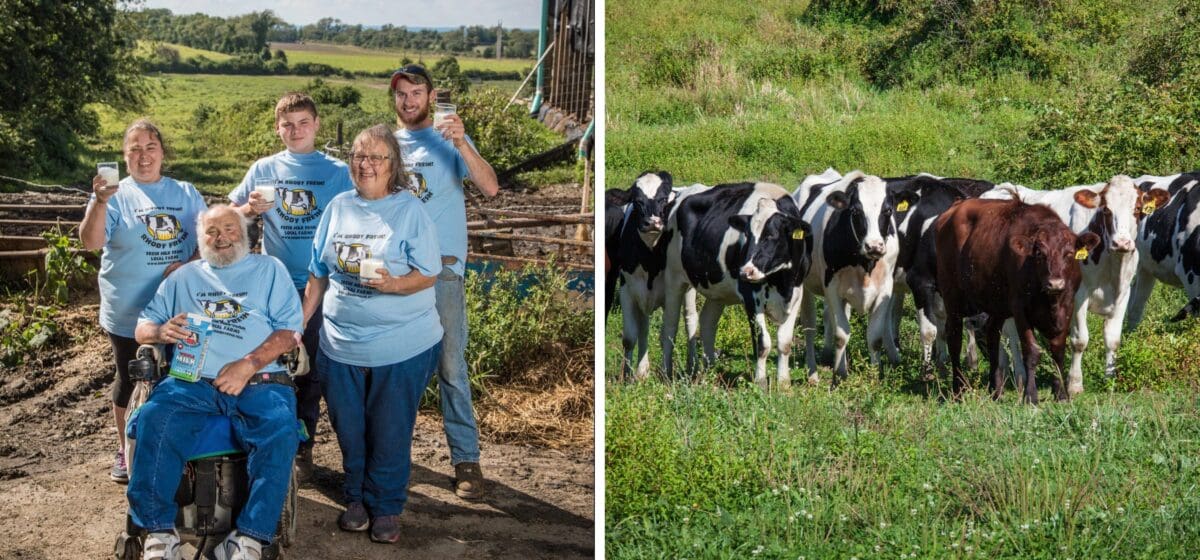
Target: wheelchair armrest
{"points": [[296, 361], [147, 363]]}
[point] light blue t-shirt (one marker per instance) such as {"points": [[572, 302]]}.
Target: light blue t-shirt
{"points": [[148, 226], [438, 175], [364, 327], [247, 301], [304, 185]]}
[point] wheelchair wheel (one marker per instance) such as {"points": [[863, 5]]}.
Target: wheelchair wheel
{"points": [[128, 547], [141, 392], [287, 520]]}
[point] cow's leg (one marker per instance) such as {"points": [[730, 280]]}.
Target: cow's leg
{"points": [[808, 322], [929, 337], [973, 325], [1058, 350], [784, 339], [1112, 332], [710, 318], [884, 334], [1029, 354], [1079, 342], [841, 328], [1143, 284], [1013, 334], [760, 337], [671, 302], [691, 326], [896, 310], [629, 332], [991, 333], [954, 337]]}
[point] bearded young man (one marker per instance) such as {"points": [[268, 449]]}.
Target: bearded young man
{"points": [[256, 317], [441, 163]]}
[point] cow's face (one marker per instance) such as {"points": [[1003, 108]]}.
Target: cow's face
{"points": [[769, 235], [650, 196], [1055, 253], [163, 227], [1117, 215], [350, 255], [297, 202], [869, 209]]}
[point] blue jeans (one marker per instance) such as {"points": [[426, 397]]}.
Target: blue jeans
{"points": [[373, 411], [458, 416], [263, 418]]}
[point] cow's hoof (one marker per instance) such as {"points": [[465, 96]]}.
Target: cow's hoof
{"points": [[1075, 390]]}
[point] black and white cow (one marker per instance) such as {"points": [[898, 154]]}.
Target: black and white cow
{"points": [[916, 265], [741, 243], [856, 248], [1168, 242], [616, 206], [1111, 210], [641, 257]]}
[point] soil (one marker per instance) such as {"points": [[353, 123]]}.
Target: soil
{"points": [[56, 500], [57, 440]]}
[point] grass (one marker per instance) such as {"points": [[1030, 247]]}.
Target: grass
{"points": [[185, 52], [357, 59]]}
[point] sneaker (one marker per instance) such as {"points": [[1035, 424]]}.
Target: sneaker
{"points": [[119, 472], [354, 518], [468, 483], [238, 547], [162, 546], [385, 529], [304, 464]]}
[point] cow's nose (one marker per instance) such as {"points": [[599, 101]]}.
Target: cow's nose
{"points": [[1056, 286], [874, 249], [1123, 245], [654, 223], [751, 273]]}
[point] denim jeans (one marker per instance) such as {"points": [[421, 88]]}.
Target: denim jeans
{"points": [[308, 387], [373, 411], [458, 416], [263, 417]]}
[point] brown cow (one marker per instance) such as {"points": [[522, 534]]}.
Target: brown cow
{"points": [[1009, 259]]}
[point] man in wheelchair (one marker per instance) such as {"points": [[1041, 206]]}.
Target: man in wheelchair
{"points": [[255, 318]]}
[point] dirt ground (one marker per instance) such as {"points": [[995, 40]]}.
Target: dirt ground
{"points": [[56, 500], [57, 439]]}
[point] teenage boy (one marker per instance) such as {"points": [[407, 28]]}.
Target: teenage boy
{"points": [[441, 163], [303, 180]]}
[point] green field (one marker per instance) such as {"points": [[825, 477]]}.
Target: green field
{"points": [[358, 59], [185, 52], [1013, 90]]}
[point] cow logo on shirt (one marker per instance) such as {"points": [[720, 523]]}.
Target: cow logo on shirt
{"points": [[161, 227], [298, 202], [221, 309], [349, 255], [417, 184]]}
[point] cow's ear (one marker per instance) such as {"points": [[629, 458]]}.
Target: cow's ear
{"points": [[1086, 198], [1021, 245], [800, 229], [1087, 240], [740, 222], [667, 181], [905, 200], [1152, 200], [838, 200]]}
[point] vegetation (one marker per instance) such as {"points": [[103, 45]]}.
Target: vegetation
{"points": [[42, 112], [1046, 94]]}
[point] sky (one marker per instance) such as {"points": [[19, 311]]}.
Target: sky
{"points": [[523, 14]]}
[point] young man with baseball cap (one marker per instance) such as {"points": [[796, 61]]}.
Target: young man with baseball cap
{"points": [[442, 162]]}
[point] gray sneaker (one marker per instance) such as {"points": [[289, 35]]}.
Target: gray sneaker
{"points": [[354, 518], [119, 472], [238, 547], [161, 546], [386, 529]]}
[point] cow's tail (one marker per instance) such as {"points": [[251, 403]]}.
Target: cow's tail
{"points": [[1191, 309]]}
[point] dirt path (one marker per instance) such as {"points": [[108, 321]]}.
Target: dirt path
{"points": [[56, 502]]}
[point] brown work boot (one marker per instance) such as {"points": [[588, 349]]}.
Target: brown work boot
{"points": [[468, 483], [304, 463]]}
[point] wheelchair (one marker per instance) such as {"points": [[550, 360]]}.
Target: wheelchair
{"points": [[214, 486]]}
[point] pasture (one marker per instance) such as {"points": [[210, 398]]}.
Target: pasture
{"points": [[884, 465], [358, 59]]}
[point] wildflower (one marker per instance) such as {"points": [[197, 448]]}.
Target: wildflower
{"points": [[809, 517], [912, 512], [1120, 510], [842, 518], [757, 550], [1024, 526], [927, 486]]}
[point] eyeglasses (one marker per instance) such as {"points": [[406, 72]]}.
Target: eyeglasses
{"points": [[376, 160]]}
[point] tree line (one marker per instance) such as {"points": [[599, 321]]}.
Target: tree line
{"points": [[250, 33]]}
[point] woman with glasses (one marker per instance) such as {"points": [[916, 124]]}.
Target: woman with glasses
{"points": [[375, 262], [146, 225]]}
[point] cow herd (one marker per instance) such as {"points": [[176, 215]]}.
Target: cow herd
{"points": [[998, 259]]}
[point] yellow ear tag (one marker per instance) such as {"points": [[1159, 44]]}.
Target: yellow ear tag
{"points": [[798, 234], [1148, 208], [1081, 254], [902, 207]]}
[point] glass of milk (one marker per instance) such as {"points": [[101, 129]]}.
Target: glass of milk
{"points": [[109, 171], [366, 268], [440, 111], [265, 186]]}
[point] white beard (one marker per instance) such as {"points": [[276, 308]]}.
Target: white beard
{"points": [[240, 250]]}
